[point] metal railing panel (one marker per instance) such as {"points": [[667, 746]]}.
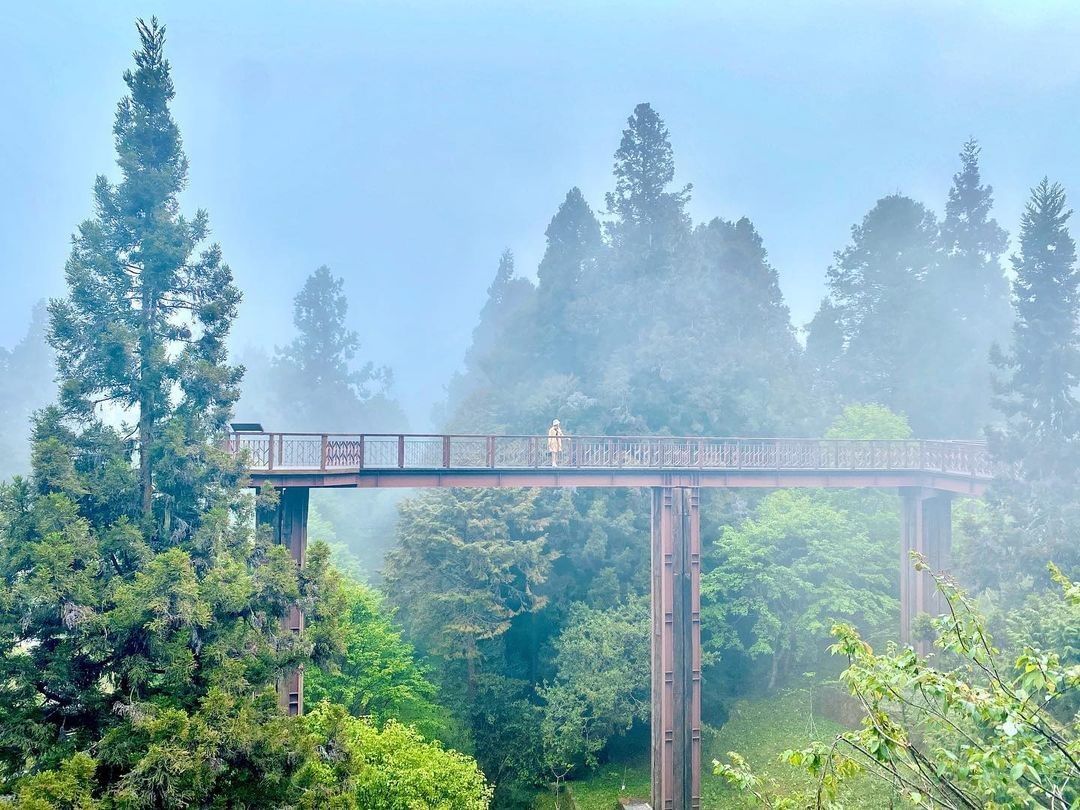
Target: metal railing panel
{"points": [[312, 451]]}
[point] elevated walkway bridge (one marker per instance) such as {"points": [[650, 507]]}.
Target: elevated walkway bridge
{"points": [[927, 475]]}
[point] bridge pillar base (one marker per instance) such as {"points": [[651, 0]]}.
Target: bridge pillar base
{"points": [[926, 527], [288, 526], [676, 649]]}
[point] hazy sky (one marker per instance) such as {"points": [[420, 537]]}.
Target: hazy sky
{"points": [[406, 144]]}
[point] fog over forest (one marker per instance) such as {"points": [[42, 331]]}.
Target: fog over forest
{"points": [[407, 155], [590, 246]]}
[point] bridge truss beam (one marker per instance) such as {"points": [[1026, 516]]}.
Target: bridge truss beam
{"points": [[676, 649]]}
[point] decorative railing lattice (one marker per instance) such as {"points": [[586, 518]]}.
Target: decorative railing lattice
{"points": [[337, 452]]}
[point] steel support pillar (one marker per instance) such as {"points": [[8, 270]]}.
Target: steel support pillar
{"points": [[676, 649], [288, 525], [926, 527]]}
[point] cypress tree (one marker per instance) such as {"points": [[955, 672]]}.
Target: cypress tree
{"points": [[144, 324], [972, 244], [140, 618], [650, 221]]}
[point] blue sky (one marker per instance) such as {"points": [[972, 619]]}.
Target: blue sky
{"points": [[406, 144]]}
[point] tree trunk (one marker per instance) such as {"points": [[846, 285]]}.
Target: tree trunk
{"points": [[146, 401], [775, 670]]}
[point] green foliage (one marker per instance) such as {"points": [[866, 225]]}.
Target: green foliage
{"points": [[601, 686], [144, 325], [775, 590], [869, 422], [650, 220], [139, 612], [378, 676], [1034, 513], [69, 787], [1042, 367], [970, 295], [772, 590], [914, 305], [504, 723], [879, 300], [573, 248], [488, 546], [979, 734], [361, 767]]}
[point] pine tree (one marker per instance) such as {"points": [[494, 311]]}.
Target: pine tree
{"points": [[1042, 366], [971, 298], [650, 221], [147, 316], [573, 246], [315, 378]]}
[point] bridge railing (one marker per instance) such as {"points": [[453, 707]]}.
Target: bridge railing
{"points": [[336, 452]]}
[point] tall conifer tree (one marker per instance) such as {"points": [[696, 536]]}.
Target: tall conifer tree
{"points": [[878, 294], [145, 322], [318, 386], [972, 243], [650, 221], [573, 246], [971, 300], [1042, 366]]}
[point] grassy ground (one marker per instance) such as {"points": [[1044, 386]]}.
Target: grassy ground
{"points": [[757, 729]]}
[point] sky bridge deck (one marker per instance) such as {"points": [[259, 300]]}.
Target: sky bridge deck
{"points": [[448, 460]]}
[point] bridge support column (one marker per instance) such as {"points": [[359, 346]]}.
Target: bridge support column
{"points": [[288, 525], [926, 527], [676, 649]]}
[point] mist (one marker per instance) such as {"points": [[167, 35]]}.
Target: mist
{"points": [[537, 408], [418, 142]]}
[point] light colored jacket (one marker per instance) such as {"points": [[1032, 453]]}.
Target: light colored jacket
{"points": [[555, 439]]}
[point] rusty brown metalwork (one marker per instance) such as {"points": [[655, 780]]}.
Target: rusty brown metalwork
{"points": [[676, 649], [926, 528], [314, 452]]}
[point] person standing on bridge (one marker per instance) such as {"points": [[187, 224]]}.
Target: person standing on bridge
{"points": [[555, 437]]}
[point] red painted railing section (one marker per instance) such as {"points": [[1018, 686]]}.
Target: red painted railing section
{"points": [[339, 452]]}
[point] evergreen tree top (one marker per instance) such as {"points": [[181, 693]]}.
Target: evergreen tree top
{"points": [[1046, 278], [319, 312], [148, 145], [149, 304], [968, 228], [573, 223], [644, 168]]}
